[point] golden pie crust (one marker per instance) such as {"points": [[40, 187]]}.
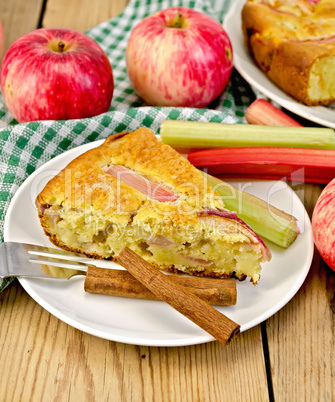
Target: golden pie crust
{"points": [[293, 42]]}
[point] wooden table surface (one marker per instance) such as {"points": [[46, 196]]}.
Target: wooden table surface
{"points": [[290, 357]]}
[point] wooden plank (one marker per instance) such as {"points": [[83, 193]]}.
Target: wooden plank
{"points": [[80, 14], [301, 336], [19, 17], [43, 358]]}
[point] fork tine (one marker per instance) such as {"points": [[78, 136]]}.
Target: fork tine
{"points": [[60, 264], [60, 255], [57, 252], [22, 259], [15, 261]]}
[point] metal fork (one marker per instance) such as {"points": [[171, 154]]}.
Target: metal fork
{"points": [[33, 261]]}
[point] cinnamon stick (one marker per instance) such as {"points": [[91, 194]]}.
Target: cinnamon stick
{"points": [[201, 313], [220, 292]]}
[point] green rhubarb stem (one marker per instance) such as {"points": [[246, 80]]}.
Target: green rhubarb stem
{"points": [[187, 135], [266, 220]]}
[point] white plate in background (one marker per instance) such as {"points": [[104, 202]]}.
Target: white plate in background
{"points": [[255, 76]]}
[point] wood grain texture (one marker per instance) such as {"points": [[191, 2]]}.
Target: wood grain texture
{"points": [[19, 17], [301, 335], [80, 14], [43, 358], [302, 343]]}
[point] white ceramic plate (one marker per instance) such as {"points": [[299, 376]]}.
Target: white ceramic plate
{"points": [[154, 323], [254, 76]]}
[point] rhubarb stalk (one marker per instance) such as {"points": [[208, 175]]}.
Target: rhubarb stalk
{"points": [[296, 164], [187, 135], [266, 220], [265, 113]]}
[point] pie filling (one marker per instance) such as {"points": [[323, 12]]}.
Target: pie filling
{"points": [[208, 249], [322, 79], [218, 243]]}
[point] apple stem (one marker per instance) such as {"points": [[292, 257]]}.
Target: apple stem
{"points": [[61, 46], [177, 21]]}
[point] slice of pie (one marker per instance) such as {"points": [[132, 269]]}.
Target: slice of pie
{"points": [[135, 191], [293, 42]]}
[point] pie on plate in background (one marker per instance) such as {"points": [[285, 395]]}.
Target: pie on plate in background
{"points": [[293, 42], [259, 80]]}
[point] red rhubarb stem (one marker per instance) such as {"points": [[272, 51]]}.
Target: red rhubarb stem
{"points": [[299, 164], [265, 113]]}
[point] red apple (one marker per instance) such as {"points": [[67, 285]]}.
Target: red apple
{"points": [[56, 74], [323, 223], [179, 57]]}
